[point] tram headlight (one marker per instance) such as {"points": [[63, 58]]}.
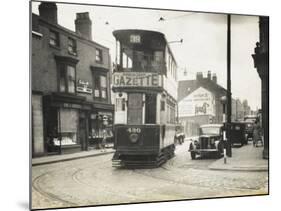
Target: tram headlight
{"points": [[134, 137]]}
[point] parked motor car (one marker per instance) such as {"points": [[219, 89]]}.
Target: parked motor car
{"points": [[238, 133], [249, 121], [210, 141]]}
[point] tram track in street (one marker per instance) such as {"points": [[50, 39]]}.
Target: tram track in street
{"points": [[171, 174], [36, 185], [187, 184], [75, 177]]}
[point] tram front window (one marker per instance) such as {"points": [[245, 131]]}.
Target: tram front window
{"points": [[134, 108], [150, 109]]}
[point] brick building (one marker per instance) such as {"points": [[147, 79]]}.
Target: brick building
{"points": [[199, 102], [261, 62], [71, 98]]}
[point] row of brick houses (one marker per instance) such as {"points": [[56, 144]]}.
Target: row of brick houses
{"points": [[71, 74], [199, 102]]}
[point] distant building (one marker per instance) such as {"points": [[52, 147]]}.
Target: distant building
{"points": [[71, 96], [199, 102], [246, 108]]}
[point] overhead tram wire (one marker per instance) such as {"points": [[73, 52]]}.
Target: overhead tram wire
{"points": [[177, 17]]}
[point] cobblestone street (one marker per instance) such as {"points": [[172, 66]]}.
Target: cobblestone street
{"points": [[93, 181]]}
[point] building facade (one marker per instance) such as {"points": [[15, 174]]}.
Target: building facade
{"points": [[199, 102], [261, 62], [71, 74], [239, 109]]}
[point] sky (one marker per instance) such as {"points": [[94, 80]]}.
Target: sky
{"points": [[204, 40]]}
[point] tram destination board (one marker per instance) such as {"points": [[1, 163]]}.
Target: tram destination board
{"points": [[136, 79]]}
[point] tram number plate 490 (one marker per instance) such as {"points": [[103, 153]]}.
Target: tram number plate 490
{"points": [[134, 130]]}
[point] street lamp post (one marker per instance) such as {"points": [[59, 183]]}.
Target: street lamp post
{"points": [[225, 140], [228, 129]]}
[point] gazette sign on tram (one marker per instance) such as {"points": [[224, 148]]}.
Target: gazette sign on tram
{"points": [[136, 79]]}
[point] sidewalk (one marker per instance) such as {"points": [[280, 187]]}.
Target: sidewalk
{"points": [[246, 158], [72, 156]]}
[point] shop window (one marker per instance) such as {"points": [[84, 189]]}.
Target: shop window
{"points": [[101, 125], [100, 86], [99, 55], [54, 38], [72, 49], [68, 126], [67, 78]]}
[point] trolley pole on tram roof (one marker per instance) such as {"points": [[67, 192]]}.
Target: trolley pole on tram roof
{"points": [[229, 100]]}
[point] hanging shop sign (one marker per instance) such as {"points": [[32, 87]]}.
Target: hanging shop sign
{"points": [[135, 79], [83, 87], [199, 102]]}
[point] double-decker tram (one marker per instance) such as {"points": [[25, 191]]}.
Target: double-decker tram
{"points": [[145, 92]]}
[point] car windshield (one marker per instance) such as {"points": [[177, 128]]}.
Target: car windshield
{"points": [[210, 131]]}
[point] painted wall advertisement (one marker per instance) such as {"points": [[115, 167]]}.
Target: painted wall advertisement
{"points": [[199, 102]]}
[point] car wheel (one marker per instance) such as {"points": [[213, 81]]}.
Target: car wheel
{"points": [[193, 155]]}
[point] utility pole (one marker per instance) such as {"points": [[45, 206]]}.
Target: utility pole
{"points": [[228, 149]]}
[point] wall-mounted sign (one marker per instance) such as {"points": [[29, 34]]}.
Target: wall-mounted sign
{"points": [[199, 102], [83, 87], [135, 79]]}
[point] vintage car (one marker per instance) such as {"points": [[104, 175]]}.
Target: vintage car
{"points": [[238, 133], [249, 122], [210, 141]]}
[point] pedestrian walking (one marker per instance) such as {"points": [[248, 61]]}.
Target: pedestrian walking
{"points": [[256, 133], [103, 142]]}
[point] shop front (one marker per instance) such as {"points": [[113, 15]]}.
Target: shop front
{"points": [[65, 120], [100, 125], [72, 124]]}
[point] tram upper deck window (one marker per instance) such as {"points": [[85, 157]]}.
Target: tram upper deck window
{"points": [[127, 55], [138, 59], [147, 61]]}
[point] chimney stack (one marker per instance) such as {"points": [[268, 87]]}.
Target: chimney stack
{"points": [[48, 11], [214, 79], [83, 25], [209, 74], [199, 75]]}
